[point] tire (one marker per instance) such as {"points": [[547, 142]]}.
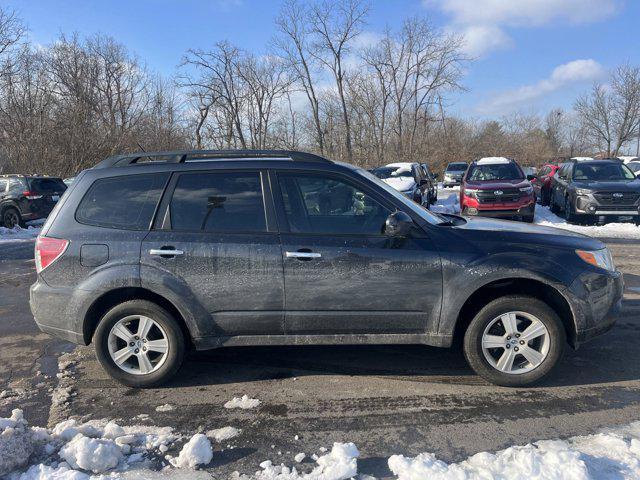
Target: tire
{"points": [[544, 197], [552, 204], [165, 325], [555, 338], [528, 218], [11, 217], [569, 216]]}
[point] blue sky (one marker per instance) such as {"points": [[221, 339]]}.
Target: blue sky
{"points": [[531, 55]]}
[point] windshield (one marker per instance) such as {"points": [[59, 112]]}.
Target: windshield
{"points": [[391, 172], [430, 217], [602, 172], [499, 171], [457, 167]]}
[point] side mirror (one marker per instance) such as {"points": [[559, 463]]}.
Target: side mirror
{"points": [[531, 177], [398, 224]]}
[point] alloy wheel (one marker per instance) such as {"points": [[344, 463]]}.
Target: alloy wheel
{"points": [[138, 345], [515, 342], [11, 219]]}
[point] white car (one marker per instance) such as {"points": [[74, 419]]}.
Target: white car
{"points": [[403, 177], [634, 166]]}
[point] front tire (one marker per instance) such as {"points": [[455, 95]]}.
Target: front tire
{"points": [[139, 344], [514, 341]]}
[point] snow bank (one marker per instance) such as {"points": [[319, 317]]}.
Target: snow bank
{"points": [[16, 442], [545, 217], [243, 402], [451, 204], [17, 233], [196, 451]]}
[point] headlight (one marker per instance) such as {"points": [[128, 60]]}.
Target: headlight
{"points": [[526, 189], [470, 192], [582, 191], [598, 258]]}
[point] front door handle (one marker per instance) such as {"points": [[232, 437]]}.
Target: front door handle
{"points": [[302, 255], [165, 252]]}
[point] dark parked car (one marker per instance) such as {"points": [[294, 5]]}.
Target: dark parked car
{"points": [[497, 187], [542, 182], [24, 198], [429, 186], [212, 249], [584, 190], [453, 174]]}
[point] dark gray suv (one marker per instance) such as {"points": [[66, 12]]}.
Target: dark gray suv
{"points": [[148, 255]]}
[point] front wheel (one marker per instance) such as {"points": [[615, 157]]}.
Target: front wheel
{"points": [[139, 344], [514, 341]]}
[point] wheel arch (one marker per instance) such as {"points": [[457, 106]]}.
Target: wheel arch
{"points": [[110, 299], [510, 286]]}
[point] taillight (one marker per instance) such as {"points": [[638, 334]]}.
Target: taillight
{"points": [[48, 250], [31, 195]]}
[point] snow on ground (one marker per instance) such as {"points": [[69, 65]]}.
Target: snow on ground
{"points": [[243, 402], [449, 202], [224, 433], [102, 449], [18, 234]]}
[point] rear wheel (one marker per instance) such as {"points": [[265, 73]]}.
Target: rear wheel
{"points": [[528, 218], [545, 197], [139, 344], [11, 218], [514, 341]]}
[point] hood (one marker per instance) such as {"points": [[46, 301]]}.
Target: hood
{"points": [[401, 184], [619, 186], [490, 229], [497, 184]]}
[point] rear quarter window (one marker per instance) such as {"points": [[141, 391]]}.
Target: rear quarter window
{"points": [[125, 202]]}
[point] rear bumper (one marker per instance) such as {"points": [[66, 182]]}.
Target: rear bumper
{"points": [[596, 300], [55, 312]]}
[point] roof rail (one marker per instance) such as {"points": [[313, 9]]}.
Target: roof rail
{"points": [[183, 156]]}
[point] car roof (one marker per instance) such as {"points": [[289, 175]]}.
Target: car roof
{"points": [[493, 161]]}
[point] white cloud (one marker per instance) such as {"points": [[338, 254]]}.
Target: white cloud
{"points": [[482, 22], [563, 76]]}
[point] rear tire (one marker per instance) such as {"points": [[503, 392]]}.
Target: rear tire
{"points": [[544, 197], [528, 218], [11, 218], [166, 328], [549, 346]]}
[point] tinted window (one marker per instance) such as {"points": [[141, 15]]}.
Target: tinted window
{"points": [[326, 205], [48, 185], [3, 185], [218, 202], [495, 171], [122, 202], [602, 172], [16, 184], [457, 167]]}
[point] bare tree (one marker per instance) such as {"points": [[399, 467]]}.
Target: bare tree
{"points": [[335, 23], [611, 116]]}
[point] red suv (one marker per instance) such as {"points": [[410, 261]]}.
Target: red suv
{"points": [[497, 187], [542, 183]]}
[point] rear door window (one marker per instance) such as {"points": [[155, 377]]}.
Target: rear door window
{"points": [[230, 202], [42, 185], [125, 202]]}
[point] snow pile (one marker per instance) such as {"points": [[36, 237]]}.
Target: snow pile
{"points": [[165, 408], [16, 443], [244, 403], [339, 464], [545, 217], [18, 233], [224, 433], [95, 455], [196, 451], [612, 454], [451, 204]]}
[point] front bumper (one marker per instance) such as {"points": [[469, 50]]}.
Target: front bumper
{"points": [[602, 204], [499, 212], [595, 300]]}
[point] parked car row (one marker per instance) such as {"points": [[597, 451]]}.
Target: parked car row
{"points": [[24, 198]]}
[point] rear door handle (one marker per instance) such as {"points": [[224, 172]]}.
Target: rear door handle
{"points": [[165, 252], [304, 255]]}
